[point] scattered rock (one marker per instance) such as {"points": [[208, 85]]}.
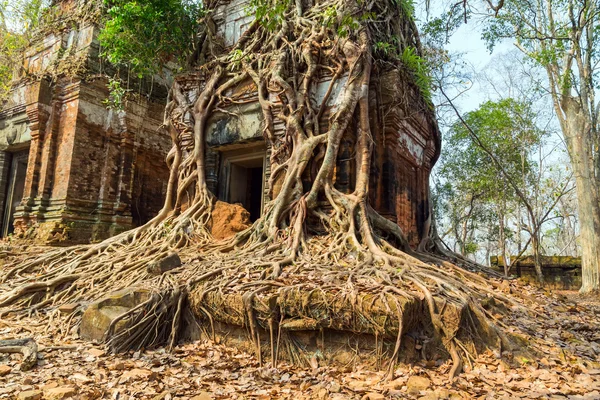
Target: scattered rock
{"points": [[30, 395], [159, 267], [430, 396], [505, 286], [5, 370], [81, 378], [97, 317], [59, 393], [396, 384], [443, 393], [416, 384], [50, 385], [488, 302], [322, 394], [96, 352], [335, 387], [118, 366], [373, 396], [137, 373], [202, 396], [68, 308]]}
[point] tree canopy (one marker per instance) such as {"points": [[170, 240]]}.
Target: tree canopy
{"points": [[18, 21], [145, 36]]}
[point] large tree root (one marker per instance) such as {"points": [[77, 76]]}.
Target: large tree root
{"points": [[353, 294]]}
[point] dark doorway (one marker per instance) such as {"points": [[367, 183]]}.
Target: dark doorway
{"points": [[14, 191], [254, 195], [244, 180]]}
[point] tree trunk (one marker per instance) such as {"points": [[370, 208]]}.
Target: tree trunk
{"points": [[535, 243], [577, 135], [506, 260]]}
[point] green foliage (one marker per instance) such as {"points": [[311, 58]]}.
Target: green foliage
{"points": [[417, 66], [235, 59], [472, 190], [146, 35], [344, 24], [329, 16], [11, 48], [269, 13], [18, 20], [407, 7], [347, 25], [117, 96], [22, 16], [387, 49], [508, 130]]}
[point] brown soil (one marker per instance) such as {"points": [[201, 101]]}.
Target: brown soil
{"points": [[229, 219]]}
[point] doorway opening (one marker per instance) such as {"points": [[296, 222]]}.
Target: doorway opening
{"points": [[243, 171], [14, 190]]}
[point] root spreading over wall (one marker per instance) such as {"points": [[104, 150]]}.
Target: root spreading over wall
{"points": [[317, 257]]}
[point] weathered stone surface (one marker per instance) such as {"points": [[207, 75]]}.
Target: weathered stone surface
{"points": [[91, 172], [30, 395], [98, 316], [416, 384], [5, 370], [335, 387], [68, 308], [396, 384], [429, 395], [63, 392], [165, 264]]}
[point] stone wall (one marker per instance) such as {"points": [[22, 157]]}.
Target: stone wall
{"points": [[406, 147], [560, 272], [92, 172]]}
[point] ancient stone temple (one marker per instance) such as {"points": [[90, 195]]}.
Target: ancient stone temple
{"points": [[71, 169], [407, 141]]}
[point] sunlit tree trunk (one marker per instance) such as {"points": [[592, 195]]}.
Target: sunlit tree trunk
{"points": [[576, 129]]}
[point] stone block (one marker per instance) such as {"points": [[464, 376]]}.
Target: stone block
{"points": [[159, 267], [59, 393], [30, 395], [68, 308], [99, 315], [5, 370], [416, 384]]}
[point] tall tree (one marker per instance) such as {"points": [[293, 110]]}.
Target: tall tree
{"points": [[507, 129]]}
